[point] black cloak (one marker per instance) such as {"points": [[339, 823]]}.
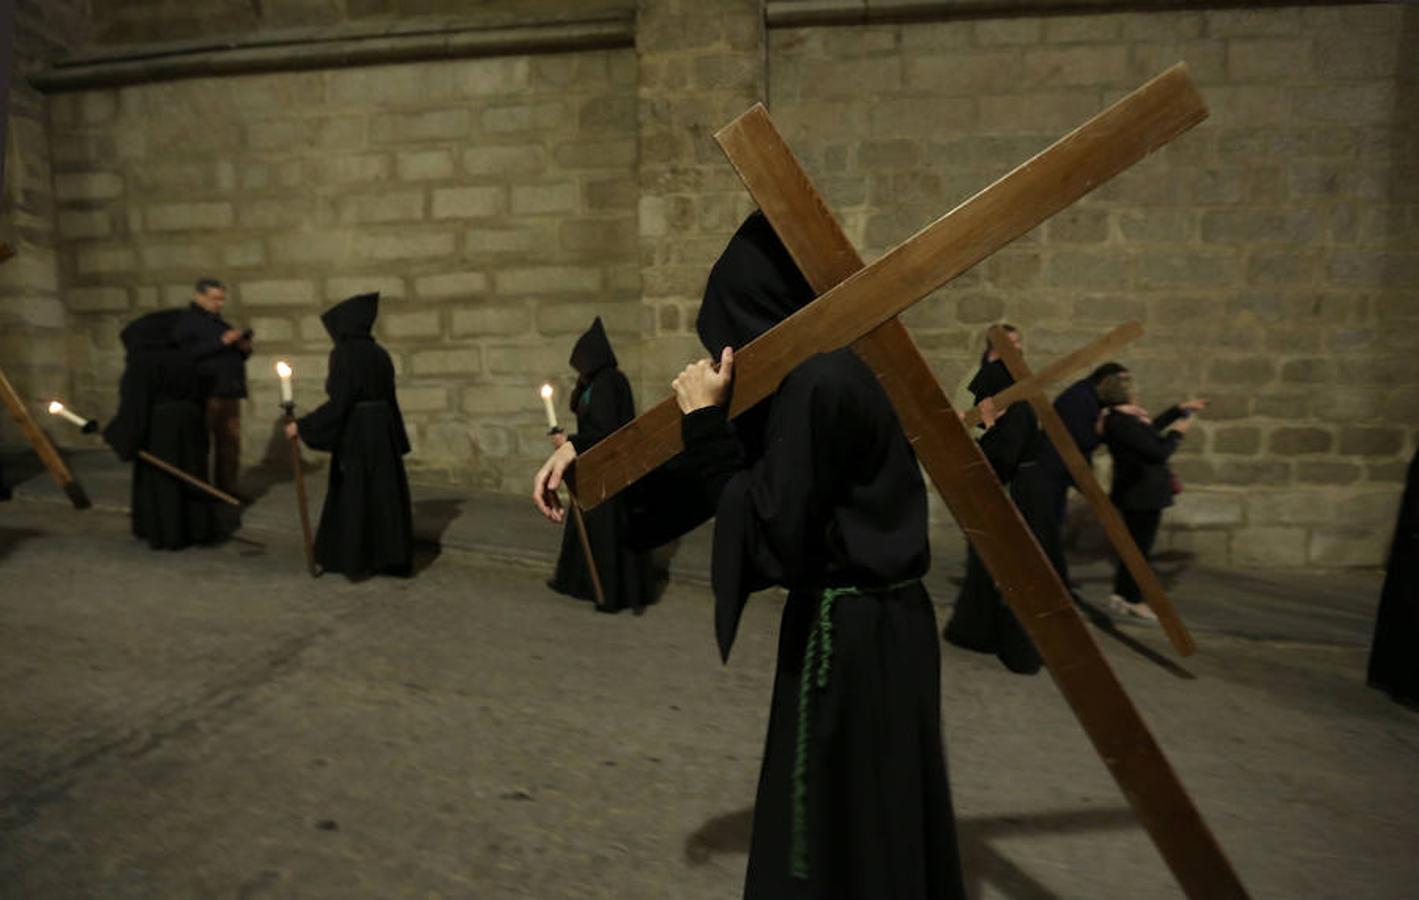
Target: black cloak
{"points": [[1394, 656], [160, 410], [602, 402], [366, 525], [980, 620], [818, 492]]}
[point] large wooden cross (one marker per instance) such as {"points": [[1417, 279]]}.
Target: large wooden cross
{"points": [[857, 306]]}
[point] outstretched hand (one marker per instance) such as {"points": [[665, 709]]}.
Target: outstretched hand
{"points": [[293, 431], [549, 478], [703, 383]]}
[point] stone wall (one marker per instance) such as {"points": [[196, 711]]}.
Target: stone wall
{"points": [[490, 201], [1272, 253]]}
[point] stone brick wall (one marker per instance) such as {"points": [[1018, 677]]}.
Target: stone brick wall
{"points": [[491, 201], [33, 348], [1272, 254]]}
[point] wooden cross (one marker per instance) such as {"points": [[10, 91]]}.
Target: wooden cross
{"points": [[1083, 474], [858, 306]]}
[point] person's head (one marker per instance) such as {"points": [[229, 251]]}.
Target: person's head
{"points": [[1097, 376], [1116, 388], [753, 286], [989, 354], [210, 294]]}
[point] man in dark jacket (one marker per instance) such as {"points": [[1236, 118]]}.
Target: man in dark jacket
{"points": [[220, 351]]}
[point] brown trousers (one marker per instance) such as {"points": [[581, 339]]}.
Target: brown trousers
{"points": [[224, 423]]}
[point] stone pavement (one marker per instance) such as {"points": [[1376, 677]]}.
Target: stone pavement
{"points": [[214, 723]]}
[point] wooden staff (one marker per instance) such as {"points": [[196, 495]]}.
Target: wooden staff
{"points": [[586, 549], [193, 480], [300, 494], [42, 447]]}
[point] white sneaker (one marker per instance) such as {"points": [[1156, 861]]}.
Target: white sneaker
{"points": [[1132, 612]]}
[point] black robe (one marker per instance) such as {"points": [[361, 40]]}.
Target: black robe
{"points": [[367, 524], [602, 402], [1394, 656], [817, 491], [980, 620], [160, 410]]}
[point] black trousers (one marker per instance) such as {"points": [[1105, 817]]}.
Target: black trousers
{"points": [[1143, 525]]}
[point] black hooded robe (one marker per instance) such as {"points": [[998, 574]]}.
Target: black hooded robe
{"points": [[160, 410], [980, 620], [1394, 655], [367, 524], [817, 490], [602, 402]]}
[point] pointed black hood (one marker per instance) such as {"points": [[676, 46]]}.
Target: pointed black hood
{"points": [[152, 332], [753, 286], [352, 318], [592, 352]]}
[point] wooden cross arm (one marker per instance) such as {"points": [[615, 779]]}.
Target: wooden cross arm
{"points": [[1104, 509], [1107, 144], [1060, 369]]}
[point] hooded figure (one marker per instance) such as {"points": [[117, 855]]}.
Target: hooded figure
{"points": [[1394, 655], [366, 525], [160, 410], [980, 620], [602, 402], [816, 490]]}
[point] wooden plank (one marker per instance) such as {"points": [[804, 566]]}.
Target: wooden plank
{"points": [[1104, 509], [42, 447], [967, 483], [1107, 144], [1076, 361], [199, 484]]}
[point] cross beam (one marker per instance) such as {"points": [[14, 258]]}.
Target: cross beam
{"points": [[965, 480], [1106, 145], [1108, 514]]}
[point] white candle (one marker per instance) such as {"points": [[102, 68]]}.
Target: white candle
{"points": [[547, 402], [58, 409], [284, 371]]}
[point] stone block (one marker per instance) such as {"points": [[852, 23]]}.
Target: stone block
{"points": [[1346, 547], [424, 165], [1293, 225], [180, 256], [1168, 269], [1095, 66], [1359, 104], [960, 73], [409, 245], [534, 199], [1299, 440], [189, 216], [388, 287], [600, 238], [1089, 269], [420, 84], [1245, 371], [492, 319], [451, 284], [1078, 225], [1243, 440], [82, 224], [428, 125], [1326, 472], [1008, 32], [271, 329], [500, 240], [1050, 112], [496, 76], [243, 254], [467, 202], [618, 153], [1269, 59], [1226, 23], [106, 259], [390, 206], [423, 398], [574, 318], [1205, 509], [1292, 507], [1270, 546], [96, 299], [1344, 54], [548, 280], [1248, 473], [79, 186], [460, 361], [1308, 371], [363, 168], [277, 292], [503, 161], [1153, 226], [1360, 441], [424, 323]]}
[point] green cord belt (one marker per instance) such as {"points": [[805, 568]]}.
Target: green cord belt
{"points": [[817, 663]]}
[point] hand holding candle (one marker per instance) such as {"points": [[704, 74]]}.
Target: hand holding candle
{"points": [[88, 425], [551, 411]]}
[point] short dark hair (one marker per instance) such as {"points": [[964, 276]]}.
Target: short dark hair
{"points": [[206, 284], [1107, 369]]}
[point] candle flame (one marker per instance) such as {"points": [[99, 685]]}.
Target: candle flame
{"points": [[56, 407], [283, 369], [546, 390]]}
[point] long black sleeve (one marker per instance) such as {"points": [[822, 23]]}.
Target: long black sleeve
{"points": [[1141, 439], [320, 428], [1006, 443]]}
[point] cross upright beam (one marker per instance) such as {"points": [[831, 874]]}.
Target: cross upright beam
{"points": [[1106, 145], [965, 480], [1123, 543]]}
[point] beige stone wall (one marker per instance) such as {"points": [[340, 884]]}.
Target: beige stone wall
{"points": [[490, 201], [1272, 253]]}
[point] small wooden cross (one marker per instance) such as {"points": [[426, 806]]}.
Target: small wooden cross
{"points": [[1079, 469], [858, 306]]}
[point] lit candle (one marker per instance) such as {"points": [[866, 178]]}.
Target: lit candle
{"points": [[57, 408], [547, 402], [283, 370]]}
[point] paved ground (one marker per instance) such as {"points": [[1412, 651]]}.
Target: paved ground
{"points": [[215, 724]]}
